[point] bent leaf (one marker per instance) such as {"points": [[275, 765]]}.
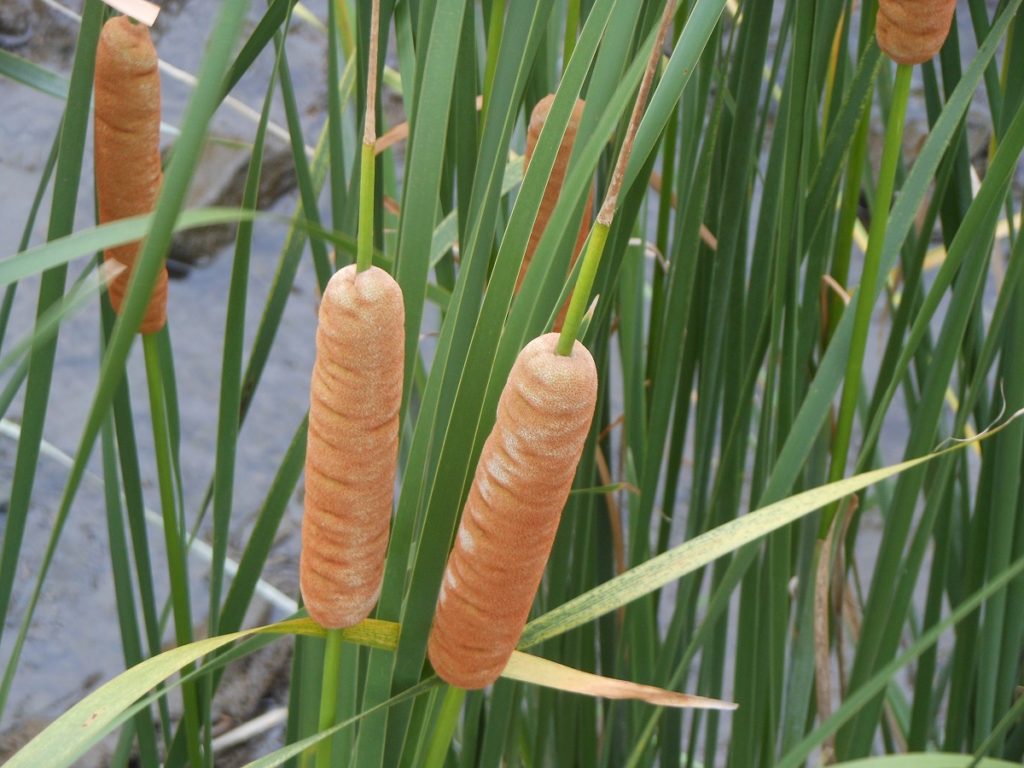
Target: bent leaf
{"points": [[696, 553], [23, 71], [533, 669], [85, 723], [88, 241], [49, 321], [68, 737]]}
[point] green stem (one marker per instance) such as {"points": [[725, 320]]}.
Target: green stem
{"points": [[329, 695], [848, 219], [599, 234], [581, 293], [364, 248], [869, 278], [364, 245], [447, 719], [176, 561]]}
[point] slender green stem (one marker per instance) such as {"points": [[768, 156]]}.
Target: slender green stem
{"points": [[869, 277], [447, 719], [329, 695], [581, 293], [176, 561], [364, 260], [599, 235], [364, 249], [848, 218], [364, 245], [173, 537]]}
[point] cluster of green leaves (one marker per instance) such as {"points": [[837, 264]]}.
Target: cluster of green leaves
{"points": [[720, 364]]}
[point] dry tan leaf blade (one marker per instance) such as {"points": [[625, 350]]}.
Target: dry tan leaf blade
{"points": [[533, 669]]}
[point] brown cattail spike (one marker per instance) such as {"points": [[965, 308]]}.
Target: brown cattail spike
{"points": [[127, 147], [556, 180], [912, 31], [352, 450], [509, 523]]}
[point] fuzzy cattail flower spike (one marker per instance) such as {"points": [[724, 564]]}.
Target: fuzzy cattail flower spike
{"points": [[913, 31], [127, 147], [538, 116], [509, 523], [352, 450]]}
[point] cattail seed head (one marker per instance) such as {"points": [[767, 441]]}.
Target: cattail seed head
{"points": [[352, 449], [508, 525], [913, 31], [127, 147], [556, 180]]}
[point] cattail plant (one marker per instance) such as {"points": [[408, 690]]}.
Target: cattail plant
{"points": [[913, 31], [127, 147], [352, 446], [509, 522], [352, 449], [128, 183], [709, 360], [910, 32], [525, 472], [539, 116]]}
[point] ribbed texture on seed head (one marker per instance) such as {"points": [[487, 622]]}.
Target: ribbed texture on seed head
{"points": [[352, 448], [913, 31], [556, 180], [510, 519], [127, 147]]}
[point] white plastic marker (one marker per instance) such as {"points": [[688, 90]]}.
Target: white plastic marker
{"points": [[142, 11]]}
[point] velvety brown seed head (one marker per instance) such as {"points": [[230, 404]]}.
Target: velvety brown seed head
{"points": [[913, 31], [127, 147], [510, 519], [352, 447], [538, 117]]}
